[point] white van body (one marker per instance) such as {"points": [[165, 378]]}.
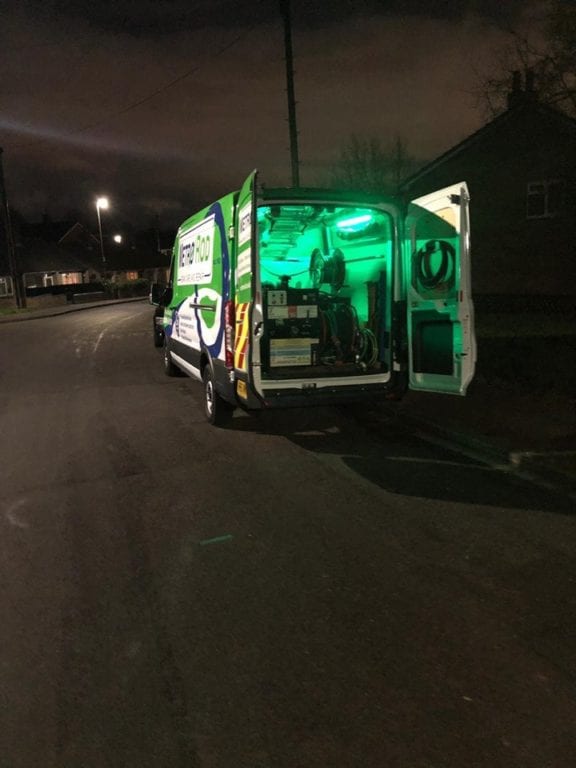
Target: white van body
{"points": [[290, 297]]}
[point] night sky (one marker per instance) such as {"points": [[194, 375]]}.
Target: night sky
{"points": [[164, 106]]}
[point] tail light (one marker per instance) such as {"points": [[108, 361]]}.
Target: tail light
{"points": [[229, 322]]}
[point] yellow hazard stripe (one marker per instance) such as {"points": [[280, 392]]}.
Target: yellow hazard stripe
{"points": [[241, 336]]}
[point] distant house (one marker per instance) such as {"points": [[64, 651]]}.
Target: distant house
{"points": [[6, 287], [140, 256], [44, 265], [54, 254], [521, 171], [67, 253], [56, 261]]}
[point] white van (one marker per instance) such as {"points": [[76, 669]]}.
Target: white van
{"points": [[292, 297]]}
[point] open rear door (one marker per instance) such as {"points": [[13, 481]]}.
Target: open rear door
{"points": [[244, 230], [441, 340]]}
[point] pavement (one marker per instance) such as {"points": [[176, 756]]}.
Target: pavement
{"points": [[19, 316], [532, 433]]}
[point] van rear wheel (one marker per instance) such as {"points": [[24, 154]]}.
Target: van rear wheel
{"points": [[218, 411]]}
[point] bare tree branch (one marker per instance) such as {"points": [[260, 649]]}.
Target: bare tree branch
{"points": [[552, 62], [365, 164]]}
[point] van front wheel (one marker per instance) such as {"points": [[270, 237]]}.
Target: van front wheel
{"points": [[169, 368], [218, 411], [158, 332]]}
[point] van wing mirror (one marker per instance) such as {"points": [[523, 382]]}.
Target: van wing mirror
{"points": [[160, 294]]}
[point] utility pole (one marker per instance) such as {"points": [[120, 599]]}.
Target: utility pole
{"points": [[285, 9], [17, 287]]}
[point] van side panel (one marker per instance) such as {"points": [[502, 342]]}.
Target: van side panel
{"points": [[195, 319]]}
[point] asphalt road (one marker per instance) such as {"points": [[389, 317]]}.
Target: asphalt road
{"points": [[295, 591]]}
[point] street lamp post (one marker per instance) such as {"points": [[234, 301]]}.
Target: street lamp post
{"points": [[101, 203]]}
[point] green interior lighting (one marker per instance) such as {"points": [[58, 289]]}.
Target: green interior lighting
{"points": [[355, 222]]}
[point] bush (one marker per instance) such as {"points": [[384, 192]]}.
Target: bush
{"points": [[126, 289]]}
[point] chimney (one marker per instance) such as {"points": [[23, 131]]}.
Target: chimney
{"points": [[515, 95], [518, 96]]}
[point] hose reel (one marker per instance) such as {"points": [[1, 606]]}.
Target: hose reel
{"points": [[331, 270], [435, 265]]}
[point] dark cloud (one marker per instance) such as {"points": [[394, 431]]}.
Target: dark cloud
{"points": [[164, 106], [154, 19]]}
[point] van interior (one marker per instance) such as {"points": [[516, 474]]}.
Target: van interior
{"points": [[326, 278]]}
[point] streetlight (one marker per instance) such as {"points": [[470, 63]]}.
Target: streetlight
{"points": [[101, 203], [117, 239]]}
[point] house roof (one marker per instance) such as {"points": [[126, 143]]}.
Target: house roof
{"points": [[136, 259], [527, 106], [48, 230], [71, 247], [76, 234], [36, 255]]}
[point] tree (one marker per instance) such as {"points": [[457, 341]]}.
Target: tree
{"points": [[364, 164], [548, 57]]}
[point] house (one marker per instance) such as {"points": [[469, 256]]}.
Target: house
{"points": [[54, 253], [139, 257], [6, 288], [521, 172], [66, 258]]}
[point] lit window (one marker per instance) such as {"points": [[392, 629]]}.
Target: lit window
{"points": [[70, 278], [131, 275], [544, 199], [6, 288]]}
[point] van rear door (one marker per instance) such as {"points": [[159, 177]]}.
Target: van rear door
{"points": [[440, 313], [245, 244]]}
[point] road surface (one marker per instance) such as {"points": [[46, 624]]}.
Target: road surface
{"points": [[295, 591]]}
